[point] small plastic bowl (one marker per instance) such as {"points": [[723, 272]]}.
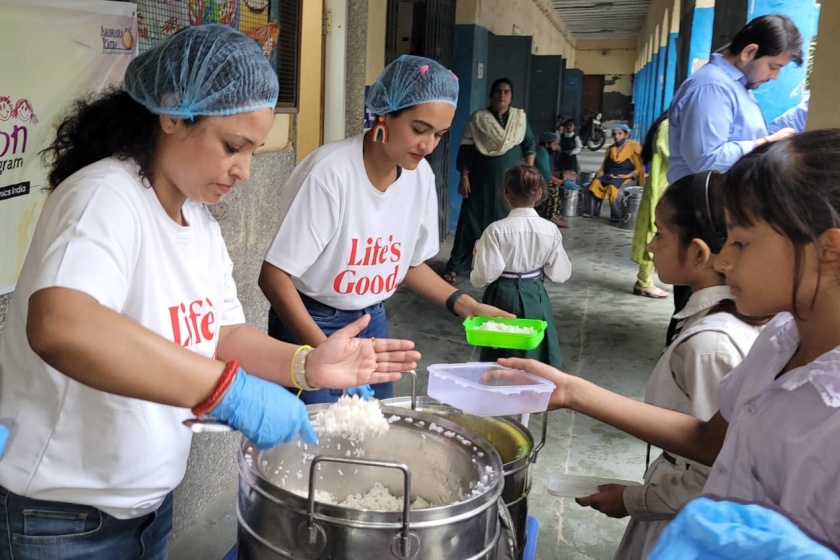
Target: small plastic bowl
{"points": [[499, 339], [488, 389]]}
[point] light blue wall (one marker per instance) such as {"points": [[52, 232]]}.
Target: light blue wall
{"points": [[777, 97]]}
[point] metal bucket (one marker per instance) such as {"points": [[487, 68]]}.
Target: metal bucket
{"points": [[512, 441], [421, 455], [572, 202], [629, 204]]}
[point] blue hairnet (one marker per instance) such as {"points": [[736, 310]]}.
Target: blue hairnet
{"points": [[203, 70], [623, 127], [549, 137], [710, 530], [409, 81]]}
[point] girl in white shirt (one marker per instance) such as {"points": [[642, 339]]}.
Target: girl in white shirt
{"points": [[513, 256], [773, 441], [712, 339]]}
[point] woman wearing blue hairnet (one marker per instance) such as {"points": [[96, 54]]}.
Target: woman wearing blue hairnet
{"points": [[359, 217], [126, 322]]}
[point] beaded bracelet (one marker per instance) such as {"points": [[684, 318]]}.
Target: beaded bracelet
{"points": [[299, 368], [218, 392]]}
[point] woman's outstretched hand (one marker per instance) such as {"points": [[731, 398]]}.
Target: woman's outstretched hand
{"points": [[343, 361], [484, 310], [561, 396]]}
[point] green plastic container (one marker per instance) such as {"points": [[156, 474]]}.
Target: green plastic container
{"points": [[496, 339]]}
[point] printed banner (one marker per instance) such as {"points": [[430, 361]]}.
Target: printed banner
{"points": [[54, 51]]}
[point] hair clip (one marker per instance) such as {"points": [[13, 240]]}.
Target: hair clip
{"points": [[423, 69], [703, 211]]}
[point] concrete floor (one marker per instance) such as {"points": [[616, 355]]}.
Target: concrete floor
{"points": [[607, 335]]}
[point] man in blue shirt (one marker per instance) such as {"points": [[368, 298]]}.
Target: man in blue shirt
{"points": [[714, 116]]}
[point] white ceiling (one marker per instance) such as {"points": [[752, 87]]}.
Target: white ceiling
{"points": [[602, 19]]}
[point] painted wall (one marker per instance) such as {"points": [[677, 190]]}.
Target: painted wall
{"points": [[777, 97], [606, 57], [618, 97], [535, 18], [825, 80]]}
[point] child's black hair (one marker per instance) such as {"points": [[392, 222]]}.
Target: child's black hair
{"points": [[793, 185], [524, 185], [695, 210]]}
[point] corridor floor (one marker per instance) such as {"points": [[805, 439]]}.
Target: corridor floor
{"points": [[607, 335]]}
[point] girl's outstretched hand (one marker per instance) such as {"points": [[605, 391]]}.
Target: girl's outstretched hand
{"points": [[609, 500], [343, 361], [561, 396]]}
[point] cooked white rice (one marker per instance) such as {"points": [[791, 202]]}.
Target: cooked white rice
{"points": [[502, 327], [352, 418], [378, 498]]}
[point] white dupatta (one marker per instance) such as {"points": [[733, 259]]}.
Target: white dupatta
{"points": [[487, 135]]}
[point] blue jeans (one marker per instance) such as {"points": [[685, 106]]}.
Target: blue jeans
{"points": [[44, 530], [329, 320]]}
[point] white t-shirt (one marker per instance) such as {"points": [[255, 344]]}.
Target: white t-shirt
{"points": [[345, 243], [104, 233]]}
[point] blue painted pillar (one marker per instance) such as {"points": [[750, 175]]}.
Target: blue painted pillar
{"points": [[651, 104], [777, 97], [638, 97], [645, 94], [662, 55], [702, 24], [670, 70], [470, 65]]}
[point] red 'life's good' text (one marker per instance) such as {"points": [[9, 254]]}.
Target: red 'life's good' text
{"points": [[374, 252], [193, 323]]}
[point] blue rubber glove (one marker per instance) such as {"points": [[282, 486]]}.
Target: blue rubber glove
{"points": [[4, 435], [711, 530], [264, 412], [365, 392]]}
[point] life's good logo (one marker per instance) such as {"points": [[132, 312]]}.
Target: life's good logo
{"points": [[193, 323], [364, 273]]}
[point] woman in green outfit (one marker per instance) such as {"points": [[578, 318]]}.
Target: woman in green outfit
{"points": [[654, 151], [495, 139], [512, 258]]}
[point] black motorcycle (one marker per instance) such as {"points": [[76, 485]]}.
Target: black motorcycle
{"points": [[592, 134]]}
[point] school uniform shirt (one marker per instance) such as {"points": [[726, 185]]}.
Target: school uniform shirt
{"points": [[522, 242], [781, 449], [342, 241], [714, 120], [103, 232], [685, 379]]}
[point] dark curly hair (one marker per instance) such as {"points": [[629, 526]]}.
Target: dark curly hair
{"points": [[110, 124]]}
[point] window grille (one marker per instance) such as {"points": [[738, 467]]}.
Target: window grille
{"points": [[274, 24]]}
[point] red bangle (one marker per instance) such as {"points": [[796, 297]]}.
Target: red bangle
{"points": [[219, 390]]}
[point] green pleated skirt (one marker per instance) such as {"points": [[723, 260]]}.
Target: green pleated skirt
{"points": [[527, 299]]}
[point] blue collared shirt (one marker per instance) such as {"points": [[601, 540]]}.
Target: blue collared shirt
{"points": [[794, 118], [714, 120]]}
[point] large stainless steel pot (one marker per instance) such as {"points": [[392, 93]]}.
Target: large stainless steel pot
{"points": [[512, 441], [421, 455]]}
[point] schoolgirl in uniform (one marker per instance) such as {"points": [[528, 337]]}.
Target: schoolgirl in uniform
{"points": [[513, 256], [712, 339], [773, 441]]}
